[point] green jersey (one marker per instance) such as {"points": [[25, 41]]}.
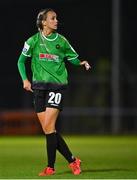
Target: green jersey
{"points": [[48, 56]]}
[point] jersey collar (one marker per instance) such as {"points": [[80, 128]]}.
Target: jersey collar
{"points": [[51, 37]]}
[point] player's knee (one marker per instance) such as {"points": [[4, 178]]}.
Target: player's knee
{"points": [[48, 127]]}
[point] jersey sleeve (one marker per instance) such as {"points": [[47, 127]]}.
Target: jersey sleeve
{"points": [[28, 46], [71, 54], [21, 66]]}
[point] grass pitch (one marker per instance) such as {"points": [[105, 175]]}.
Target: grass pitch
{"points": [[103, 157]]}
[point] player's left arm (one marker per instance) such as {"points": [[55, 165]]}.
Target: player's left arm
{"points": [[85, 64], [72, 56]]}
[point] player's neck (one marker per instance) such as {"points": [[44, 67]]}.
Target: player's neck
{"points": [[47, 32]]}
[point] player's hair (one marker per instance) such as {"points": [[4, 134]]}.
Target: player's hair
{"points": [[42, 15]]}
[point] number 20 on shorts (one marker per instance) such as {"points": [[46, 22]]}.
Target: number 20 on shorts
{"points": [[54, 98]]}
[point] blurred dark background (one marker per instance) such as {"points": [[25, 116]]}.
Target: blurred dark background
{"points": [[100, 101]]}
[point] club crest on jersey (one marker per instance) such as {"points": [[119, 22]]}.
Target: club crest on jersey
{"points": [[57, 46], [49, 57]]}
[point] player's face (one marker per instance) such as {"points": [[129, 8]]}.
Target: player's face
{"points": [[51, 21]]}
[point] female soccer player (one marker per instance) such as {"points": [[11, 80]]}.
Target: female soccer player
{"points": [[48, 51]]}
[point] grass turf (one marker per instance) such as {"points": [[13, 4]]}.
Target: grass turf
{"points": [[104, 157]]}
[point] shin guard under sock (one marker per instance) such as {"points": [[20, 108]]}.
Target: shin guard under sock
{"points": [[51, 148], [63, 148]]}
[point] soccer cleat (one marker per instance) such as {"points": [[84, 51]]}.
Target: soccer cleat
{"points": [[75, 166], [47, 172]]}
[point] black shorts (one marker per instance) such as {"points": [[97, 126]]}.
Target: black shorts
{"points": [[47, 98]]}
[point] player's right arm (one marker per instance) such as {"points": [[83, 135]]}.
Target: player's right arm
{"points": [[22, 71], [26, 52], [21, 66]]}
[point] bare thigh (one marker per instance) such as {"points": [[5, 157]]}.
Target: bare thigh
{"points": [[48, 119]]}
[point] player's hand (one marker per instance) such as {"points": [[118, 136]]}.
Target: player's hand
{"points": [[27, 85], [86, 64]]}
